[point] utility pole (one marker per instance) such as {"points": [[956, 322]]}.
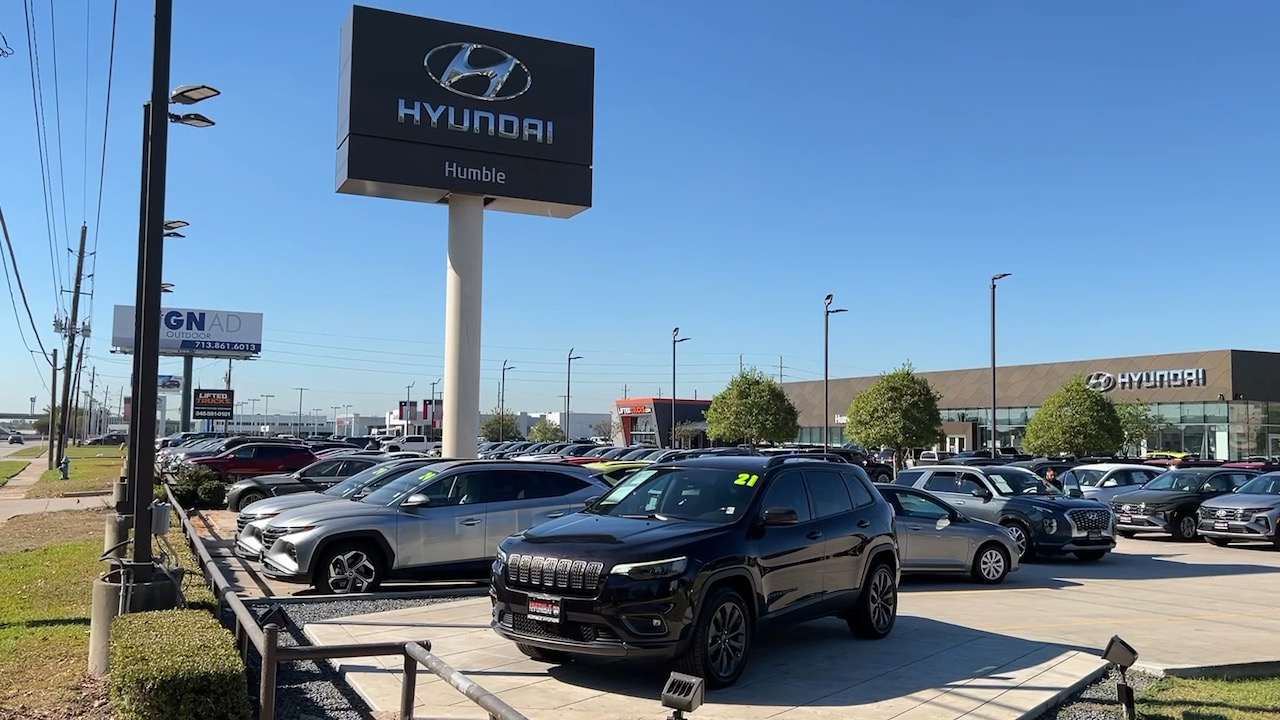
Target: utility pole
{"points": [[739, 363], [71, 326], [226, 424], [75, 393], [93, 379], [407, 415], [266, 410], [779, 369], [298, 432], [53, 409]]}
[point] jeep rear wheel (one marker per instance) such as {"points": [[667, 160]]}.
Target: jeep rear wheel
{"points": [[877, 608], [349, 568], [721, 640]]}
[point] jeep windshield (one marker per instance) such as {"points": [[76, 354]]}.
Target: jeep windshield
{"points": [[1016, 481], [712, 495], [1176, 481], [1268, 484]]}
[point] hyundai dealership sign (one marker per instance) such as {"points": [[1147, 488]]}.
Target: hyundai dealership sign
{"points": [[428, 107], [188, 331]]}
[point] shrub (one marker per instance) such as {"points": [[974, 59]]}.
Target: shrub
{"points": [[199, 487], [175, 665]]}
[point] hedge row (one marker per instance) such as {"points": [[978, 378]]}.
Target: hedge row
{"points": [[175, 665]]}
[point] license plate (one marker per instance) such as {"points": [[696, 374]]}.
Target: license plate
{"points": [[544, 608], [1095, 535], [1125, 519], [1220, 525]]}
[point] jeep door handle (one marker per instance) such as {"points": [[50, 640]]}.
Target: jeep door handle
{"points": [[916, 527], [814, 534], [472, 521], [556, 514]]}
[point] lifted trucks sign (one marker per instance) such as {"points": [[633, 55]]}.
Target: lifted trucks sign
{"points": [[428, 107], [213, 404]]}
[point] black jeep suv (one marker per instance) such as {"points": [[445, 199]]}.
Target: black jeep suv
{"points": [[687, 560]]}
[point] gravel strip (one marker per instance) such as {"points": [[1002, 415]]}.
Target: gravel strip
{"points": [[315, 691], [1098, 701]]}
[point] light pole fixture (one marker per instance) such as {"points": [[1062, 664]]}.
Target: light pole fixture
{"points": [[433, 402], [992, 419], [827, 312], [174, 234], [407, 415], [192, 119], [568, 384], [175, 224], [192, 94], [675, 339], [502, 402]]}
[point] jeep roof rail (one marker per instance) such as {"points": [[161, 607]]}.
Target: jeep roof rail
{"points": [[782, 459]]}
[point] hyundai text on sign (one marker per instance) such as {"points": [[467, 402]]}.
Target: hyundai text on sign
{"points": [[428, 107], [189, 331], [213, 404]]}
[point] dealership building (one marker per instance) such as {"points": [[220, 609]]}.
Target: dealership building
{"points": [[1222, 404]]}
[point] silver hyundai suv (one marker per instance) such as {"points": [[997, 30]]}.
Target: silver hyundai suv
{"points": [[442, 521]]}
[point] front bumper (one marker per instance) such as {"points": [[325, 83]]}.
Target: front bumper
{"points": [[624, 619], [1143, 523], [1243, 530]]}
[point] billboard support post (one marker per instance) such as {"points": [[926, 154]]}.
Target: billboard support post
{"points": [[464, 275], [188, 363]]}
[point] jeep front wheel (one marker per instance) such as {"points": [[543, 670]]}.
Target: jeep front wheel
{"points": [[877, 608], [721, 640]]}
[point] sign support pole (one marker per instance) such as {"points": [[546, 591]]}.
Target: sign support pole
{"points": [[463, 282], [188, 373]]}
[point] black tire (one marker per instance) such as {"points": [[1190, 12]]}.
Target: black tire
{"points": [[1090, 555], [349, 567], [1219, 542], [721, 642], [555, 657], [876, 610], [990, 564], [884, 478], [1184, 527], [1022, 536], [1127, 534], [248, 498]]}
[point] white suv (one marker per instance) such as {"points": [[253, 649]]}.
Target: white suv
{"points": [[411, 443]]}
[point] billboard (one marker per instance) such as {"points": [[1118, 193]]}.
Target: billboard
{"points": [[213, 404], [427, 107], [192, 331], [169, 383]]}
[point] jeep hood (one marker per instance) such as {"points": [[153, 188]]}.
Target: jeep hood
{"points": [[1251, 501], [587, 532]]}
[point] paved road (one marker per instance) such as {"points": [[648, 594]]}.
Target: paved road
{"points": [[6, 449]]}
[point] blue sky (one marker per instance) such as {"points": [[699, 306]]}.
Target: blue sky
{"points": [[1118, 158]]}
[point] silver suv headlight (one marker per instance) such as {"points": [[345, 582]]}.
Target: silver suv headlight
{"points": [[653, 570]]}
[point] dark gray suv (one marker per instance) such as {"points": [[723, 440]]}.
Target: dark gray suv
{"points": [[1039, 517]]}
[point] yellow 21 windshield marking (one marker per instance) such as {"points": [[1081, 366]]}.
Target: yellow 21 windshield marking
{"points": [[746, 479]]}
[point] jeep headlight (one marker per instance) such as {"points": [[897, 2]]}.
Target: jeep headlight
{"points": [[1050, 525], [653, 570], [500, 560]]}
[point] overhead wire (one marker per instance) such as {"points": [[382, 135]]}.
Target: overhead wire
{"points": [[42, 150], [57, 116], [4, 262], [13, 259], [102, 168]]}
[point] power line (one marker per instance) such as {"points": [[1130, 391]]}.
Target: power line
{"points": [[42, 150], [21, 291], [13, 301], [57, 116], [84, 139], [102, 169]]}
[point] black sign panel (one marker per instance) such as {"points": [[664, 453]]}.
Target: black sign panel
{"points": [[428, 107], [213, 404]]}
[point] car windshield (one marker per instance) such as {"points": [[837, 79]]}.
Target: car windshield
{"points": [[399, 487], [1268, 484], [1088, 478], [1175, 480], [367, 477], [1016, 481], [711, 495]]}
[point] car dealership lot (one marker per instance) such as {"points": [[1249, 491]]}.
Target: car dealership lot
{"points": [[959, 648]]}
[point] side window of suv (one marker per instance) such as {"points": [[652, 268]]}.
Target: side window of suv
{"points": [[942, 482], [908, 477], [827, 493], [546, 484], [970, 484], [787, 491], [242, 452], [859, 490]]}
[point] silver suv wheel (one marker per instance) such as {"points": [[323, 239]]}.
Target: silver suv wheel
{"points": [[351, 570]]}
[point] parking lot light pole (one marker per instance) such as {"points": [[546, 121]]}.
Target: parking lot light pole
{"points": [[502, 401], [568, 384], [298, 431], [992, 419], [827, 312], [675, 339], [266, 409]]}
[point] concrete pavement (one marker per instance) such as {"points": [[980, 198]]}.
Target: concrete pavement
{"points": [[13, 500]]}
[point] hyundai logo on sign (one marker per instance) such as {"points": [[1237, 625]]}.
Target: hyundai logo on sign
{"points": [[1101, 381], [479, 72]]}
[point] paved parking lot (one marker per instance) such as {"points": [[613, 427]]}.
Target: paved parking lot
{"points": [[959, 650]]}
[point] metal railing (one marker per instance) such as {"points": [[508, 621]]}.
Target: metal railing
{"points": [[266, 640]]}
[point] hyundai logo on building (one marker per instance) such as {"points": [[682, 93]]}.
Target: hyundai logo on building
{"points": [[479, 72], [1101, 381]]}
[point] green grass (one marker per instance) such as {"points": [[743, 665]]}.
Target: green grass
{"points": [[29, 451], [1202, 699], [86, 475], [9, 468], [44, 633], [93, 451]]}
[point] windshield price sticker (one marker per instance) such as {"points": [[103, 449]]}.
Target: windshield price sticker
{"points": [[427, 475], [379, 471], [746, 479]]}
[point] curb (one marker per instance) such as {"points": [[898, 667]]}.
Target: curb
{"points": [[1231, 671], [1065, 694], [85, 493]]}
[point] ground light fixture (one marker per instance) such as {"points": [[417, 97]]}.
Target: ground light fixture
{"points": [[683, 694], [1122, 656]]}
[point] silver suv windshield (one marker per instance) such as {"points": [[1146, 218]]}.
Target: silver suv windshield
{"points": [[399, 487], [1268, 484], [369, 478], [704, 494]]}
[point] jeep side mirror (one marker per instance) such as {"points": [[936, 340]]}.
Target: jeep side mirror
{"points": [[780, 516], [416, 500]]}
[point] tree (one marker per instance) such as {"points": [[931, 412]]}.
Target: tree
{"points": [[499, 426], [686, 432], [545, 431], [899, 411], [1074, 420], [752, 408], [41, 423], [607, 427], [1138, 422]]}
